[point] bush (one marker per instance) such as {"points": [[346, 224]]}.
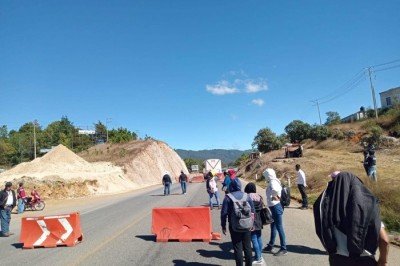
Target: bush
{"points": [[319, 133], [337, 134]]}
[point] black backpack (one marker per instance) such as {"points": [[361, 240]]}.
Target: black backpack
{"points": [[285, 196]]}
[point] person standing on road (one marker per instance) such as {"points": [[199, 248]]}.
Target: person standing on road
{"points": [[227, 181], [241, 240], [348, 223], [8, 201], [256, 236], [21, 198], [372, 166], [167, 181], [212, 190], [274, 189], [183, 181], [302, 184], [365, 162]]}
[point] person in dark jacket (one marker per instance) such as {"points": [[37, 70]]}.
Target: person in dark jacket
{"points": [[241, 240], [371, 163], [183, 181], [256, 236], [167, 181], [8, 201], [348, 223], [225, 184], [365, 162]]}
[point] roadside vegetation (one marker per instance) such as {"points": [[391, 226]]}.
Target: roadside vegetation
{"points": [[17, 146]]}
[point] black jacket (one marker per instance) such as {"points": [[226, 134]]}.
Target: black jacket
{"points": [[350, 207], [166, 179], [4, 196], [258, 205], [183, 178]]}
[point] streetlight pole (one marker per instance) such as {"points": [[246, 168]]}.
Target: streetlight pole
{"points": [[373, 92], [34, 138]]}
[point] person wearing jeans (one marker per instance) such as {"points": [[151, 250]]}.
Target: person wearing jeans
{"points": [[212, 190], [166, 180], [256, 239], [183, 180], [8, 202], [273, 191]]}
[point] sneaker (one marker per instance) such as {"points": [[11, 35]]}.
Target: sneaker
{"points": [[281, 252], [267, 249], [260, 261], [7, 234]]}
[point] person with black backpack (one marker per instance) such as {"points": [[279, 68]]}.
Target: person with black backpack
{"points": [[239, 209], [167, 181], [274, 202]]}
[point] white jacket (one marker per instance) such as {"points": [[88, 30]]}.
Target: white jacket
{"points": [[274, 187]]}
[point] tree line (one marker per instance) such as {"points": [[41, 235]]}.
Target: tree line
{"points": [[17, 146]]}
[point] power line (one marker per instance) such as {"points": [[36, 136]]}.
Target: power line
{"points": [[386, 68], [387, 63]]}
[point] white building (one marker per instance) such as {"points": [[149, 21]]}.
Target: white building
{"points": [[390, 97]]}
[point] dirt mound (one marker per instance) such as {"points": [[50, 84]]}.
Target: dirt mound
{"points": [[143, 162], [62, 166]]}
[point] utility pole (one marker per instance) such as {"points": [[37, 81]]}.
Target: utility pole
{"points": [[319, 113], [373, 92], [34, 138], [108, 120]]}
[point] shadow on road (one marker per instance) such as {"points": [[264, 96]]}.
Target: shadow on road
{"points": [[162, 195], [17, 245], [305, 250], [224, 254], [183, 262], [151, 238]]}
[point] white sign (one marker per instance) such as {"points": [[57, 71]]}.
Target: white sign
{"points": [[86, 132]]}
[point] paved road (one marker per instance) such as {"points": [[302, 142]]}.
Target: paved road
{"points": [[117, 232]]}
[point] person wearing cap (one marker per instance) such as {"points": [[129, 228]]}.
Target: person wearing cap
{"points": [[183, 181], [8, 201], [167, 181]]}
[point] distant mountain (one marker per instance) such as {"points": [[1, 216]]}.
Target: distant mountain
{"points": [[226, 156]]}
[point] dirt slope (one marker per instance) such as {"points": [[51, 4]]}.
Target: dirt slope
{"points": [[143, 162]]}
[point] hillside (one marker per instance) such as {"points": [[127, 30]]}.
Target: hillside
{"points": [[226, 156], [320, 159]]}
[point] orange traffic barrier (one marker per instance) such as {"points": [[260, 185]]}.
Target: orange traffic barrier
{"points": [[197, 179], [183, 224], [51, 231]]}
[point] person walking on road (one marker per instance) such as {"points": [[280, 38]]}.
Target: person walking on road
{"points": [[348, 223], [167, 181], [8, 201], [212, 190], [301, 185], [241, 237], [21, 197], [183, 181], [274, 189], [371, 162], [227, 181], [256, 236]]}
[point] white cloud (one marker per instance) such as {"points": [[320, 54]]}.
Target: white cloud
{"points": [[252, 86], [222, 87], [259, 102]]}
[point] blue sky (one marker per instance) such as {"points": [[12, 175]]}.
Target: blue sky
{"points": [[160, 67]]}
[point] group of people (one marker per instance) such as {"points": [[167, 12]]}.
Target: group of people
{"points": [[9, 200], [167, 182]]}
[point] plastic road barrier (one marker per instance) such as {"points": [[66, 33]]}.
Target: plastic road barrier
{"points": [[51, 231], [197, 179], [183, 224]]}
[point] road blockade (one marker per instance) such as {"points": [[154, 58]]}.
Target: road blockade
{"points": [[51, 231], [183, 224], [197, 179]]}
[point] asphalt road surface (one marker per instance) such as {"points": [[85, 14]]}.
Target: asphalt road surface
{"points": [[117, 232]]}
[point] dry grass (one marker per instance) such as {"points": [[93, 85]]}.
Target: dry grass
{"points": [[325, 157]]}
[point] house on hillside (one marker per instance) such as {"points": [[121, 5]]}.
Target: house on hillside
{"points": [[355, 117], [390, 97]]}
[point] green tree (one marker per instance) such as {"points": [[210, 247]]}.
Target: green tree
{"points": [[298, 130], [7, 150], [266, 140], [60, 132], [190, 161], [121, 135], [101, 131], [333, 118], [3, 132], [243, 158]]}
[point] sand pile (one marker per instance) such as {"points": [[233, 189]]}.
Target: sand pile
{"points": [[61, 165], [143, 162]]}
